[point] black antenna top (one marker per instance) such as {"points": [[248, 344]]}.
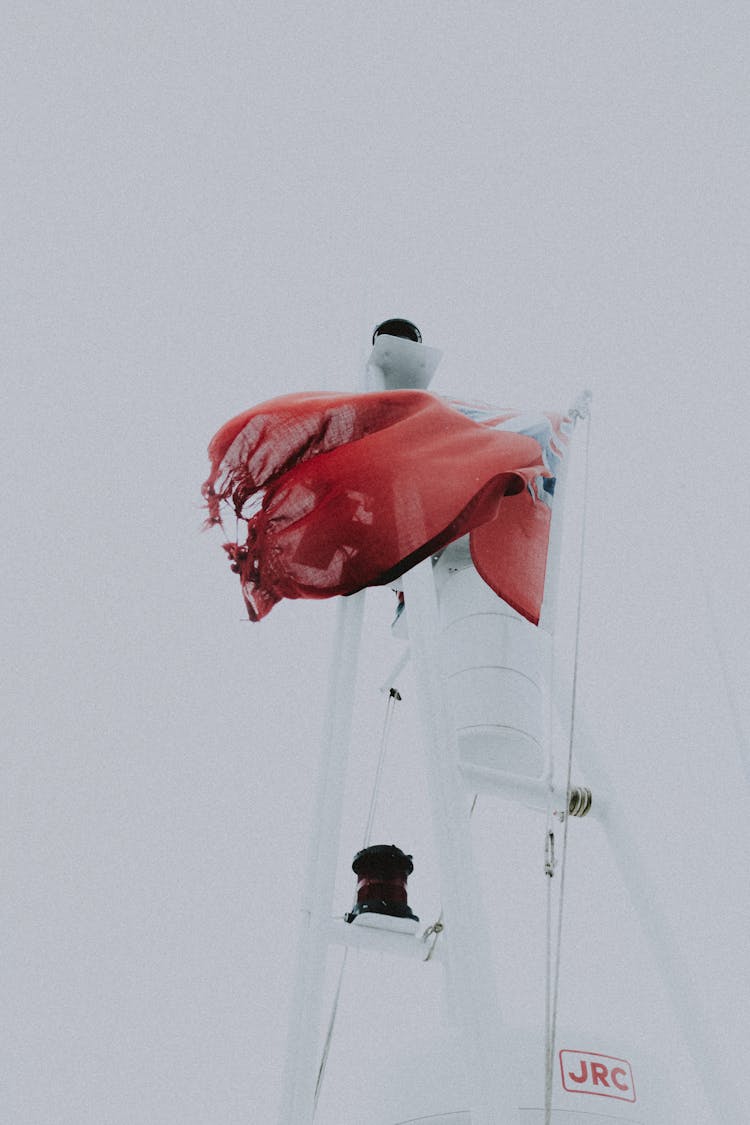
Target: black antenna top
{"points": [[398, 327]]}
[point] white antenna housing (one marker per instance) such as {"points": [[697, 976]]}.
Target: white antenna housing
{"points": [[396, 363]]}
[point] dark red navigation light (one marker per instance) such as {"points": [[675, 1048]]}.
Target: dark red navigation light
{"points": [[382, 871]]}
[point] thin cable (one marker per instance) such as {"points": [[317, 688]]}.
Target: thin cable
{"points": [[390, 707], [549, 871], [566, 815], [393, 697], [329, 1034], [743, 745]]}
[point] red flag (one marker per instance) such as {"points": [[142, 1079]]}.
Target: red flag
{"points": [[342, 491]]}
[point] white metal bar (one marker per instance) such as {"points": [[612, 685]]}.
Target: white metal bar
{"points": [[535, 793], [527, 791], [466, 936], [300, 1073], [379, 940]]}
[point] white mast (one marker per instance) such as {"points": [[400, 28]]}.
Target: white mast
{"points": [[485, 1037], [300, 1073], [400, 362]]}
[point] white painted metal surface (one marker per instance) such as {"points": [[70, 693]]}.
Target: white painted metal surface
{"points": [[397, 363], [496, 669], [485, 714], [625, 1091], [479, 1011], [300, 1074]]}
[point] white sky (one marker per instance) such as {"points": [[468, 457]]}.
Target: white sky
{"points": [[205, 205]]}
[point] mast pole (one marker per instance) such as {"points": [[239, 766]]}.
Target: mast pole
{"points": [[394, 361], [466, 936], [300, 1072]]}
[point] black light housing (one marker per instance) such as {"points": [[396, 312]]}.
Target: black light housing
{"points": [[382, 872], [398, 327]]}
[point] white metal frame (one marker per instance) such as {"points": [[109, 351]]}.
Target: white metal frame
{"points": [[300, 1073], [465, 942]]}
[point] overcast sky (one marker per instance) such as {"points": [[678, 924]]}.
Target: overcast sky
{"points": [[206, 205]]}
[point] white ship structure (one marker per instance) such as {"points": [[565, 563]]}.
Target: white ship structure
{"points": [[497, 729]]}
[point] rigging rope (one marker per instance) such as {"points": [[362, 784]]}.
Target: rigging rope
{"points": [[581, 410], [743, 744], [393, 697], [390, 707], [329, 1033], [549, 871]]}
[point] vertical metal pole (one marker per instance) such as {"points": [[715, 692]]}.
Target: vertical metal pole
{"points": [[301, 1069], [466, 932]]}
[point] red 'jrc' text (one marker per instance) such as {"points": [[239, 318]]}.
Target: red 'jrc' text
{"points": [[584, 1072]]}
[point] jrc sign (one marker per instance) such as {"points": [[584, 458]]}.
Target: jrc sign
{"points": [[584, 1072]]}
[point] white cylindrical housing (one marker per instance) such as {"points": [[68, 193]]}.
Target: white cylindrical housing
{"points": [[496, 669]]}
